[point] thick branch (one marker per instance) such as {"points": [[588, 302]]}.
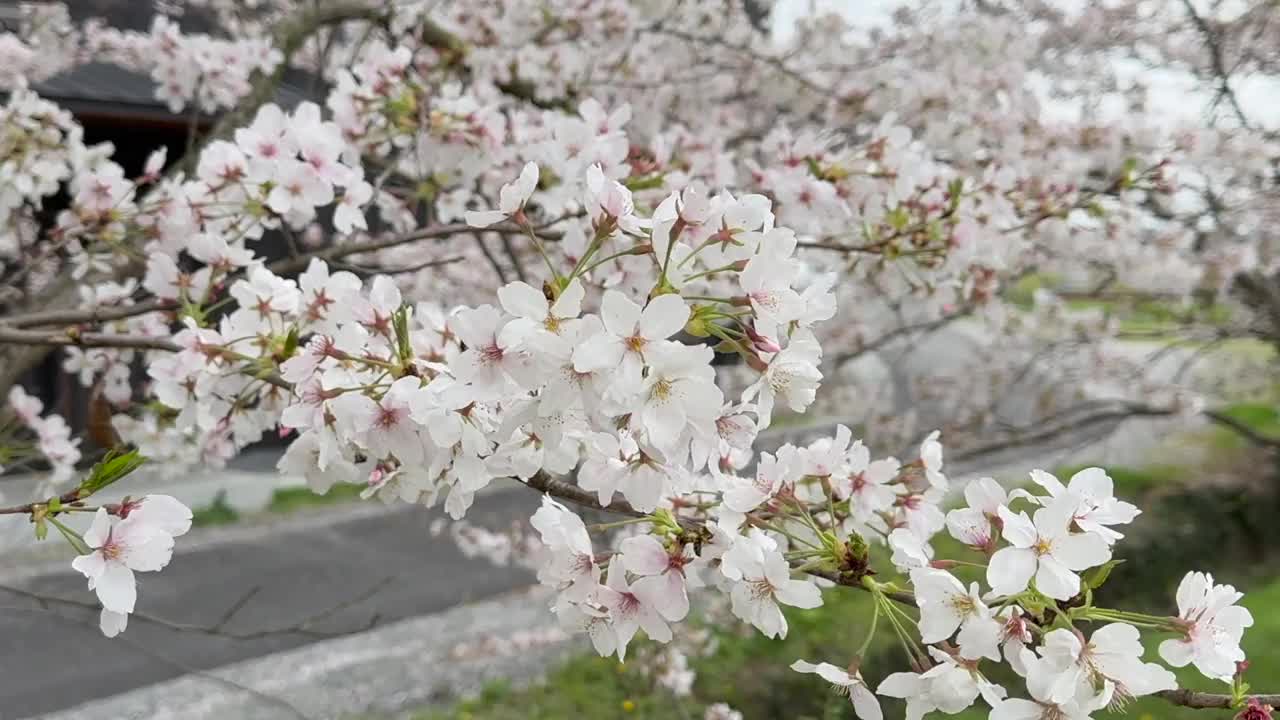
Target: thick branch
{"points": [[1203, 700], [298, 264], [87, 316], [77, 339]]}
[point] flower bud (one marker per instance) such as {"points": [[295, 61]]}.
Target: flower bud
{"points": [[1255, 710]]}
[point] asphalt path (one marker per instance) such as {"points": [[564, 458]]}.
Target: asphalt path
{"points": [[347, 574]]}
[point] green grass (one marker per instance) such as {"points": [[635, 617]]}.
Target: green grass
{"points": [[292, 499], [217, 513], [284, 501]]}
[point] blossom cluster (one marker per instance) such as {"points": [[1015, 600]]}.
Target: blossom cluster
{"points": [[630, 227], [54, 443]]}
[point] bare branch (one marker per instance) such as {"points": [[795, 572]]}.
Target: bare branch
{"points": [[71, 337], [87, 316]]}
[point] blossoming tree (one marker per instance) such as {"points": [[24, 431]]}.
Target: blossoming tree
{"points": [[524, 236]]}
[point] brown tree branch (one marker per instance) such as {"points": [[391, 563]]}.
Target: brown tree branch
{"points": [[87, 316], [78, 339], [1205, 701]]}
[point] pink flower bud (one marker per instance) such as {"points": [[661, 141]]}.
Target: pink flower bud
{"points": [[1255, 710], [761, 342]]}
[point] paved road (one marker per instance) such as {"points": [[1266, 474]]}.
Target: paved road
{"points": [[54, 658]]}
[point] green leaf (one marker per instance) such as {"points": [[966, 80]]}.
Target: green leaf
{"points": [[898, 218], [72, 537], [955, 190], [400, 321], [1097, 576], [111, 468], [291, 342]]}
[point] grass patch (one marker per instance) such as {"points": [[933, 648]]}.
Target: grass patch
{"points": [[284, 501], [216, 513], [292, 499]]}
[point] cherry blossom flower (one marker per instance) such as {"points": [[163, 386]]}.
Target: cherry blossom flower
{"points": [[537, 323], [1046, 551], [763, 582], [632, 608], [492, 358], [931, 459], [679, 390], [772, 472], [511, 200], [1213, 625], [631, 333], [571, 563], [791, 375], [946, 606], [1113, 654], [1042, 676], [948, 687], [662, 574], [1092, 491], [120, 548], [975, 525], [865, 704], [910, 550]]}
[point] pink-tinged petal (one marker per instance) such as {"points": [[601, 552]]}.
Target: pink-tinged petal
{"points": [[865, 704], [1017, 529], [90, 565], [527, 182], [1011, 569], [619, 314], [1176, 652], [598, 352], [664, 317], [99, 529], [985, 494], [1054, 519], [165, 513], [1050, 483], [798, 593], [112, 623], [1017, 710], [521, 300], [970, 526], [150, 555], [644, 555], [670, 596], [770, 620], [1056, 580], [116, 588], [901, 685], [664, 421], [483, 218], [980, 637], [1081, 551], [569, 304], [1092, 482], [1120, 638]]}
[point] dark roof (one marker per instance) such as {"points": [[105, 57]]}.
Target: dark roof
{"points": [[108, 90]]}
